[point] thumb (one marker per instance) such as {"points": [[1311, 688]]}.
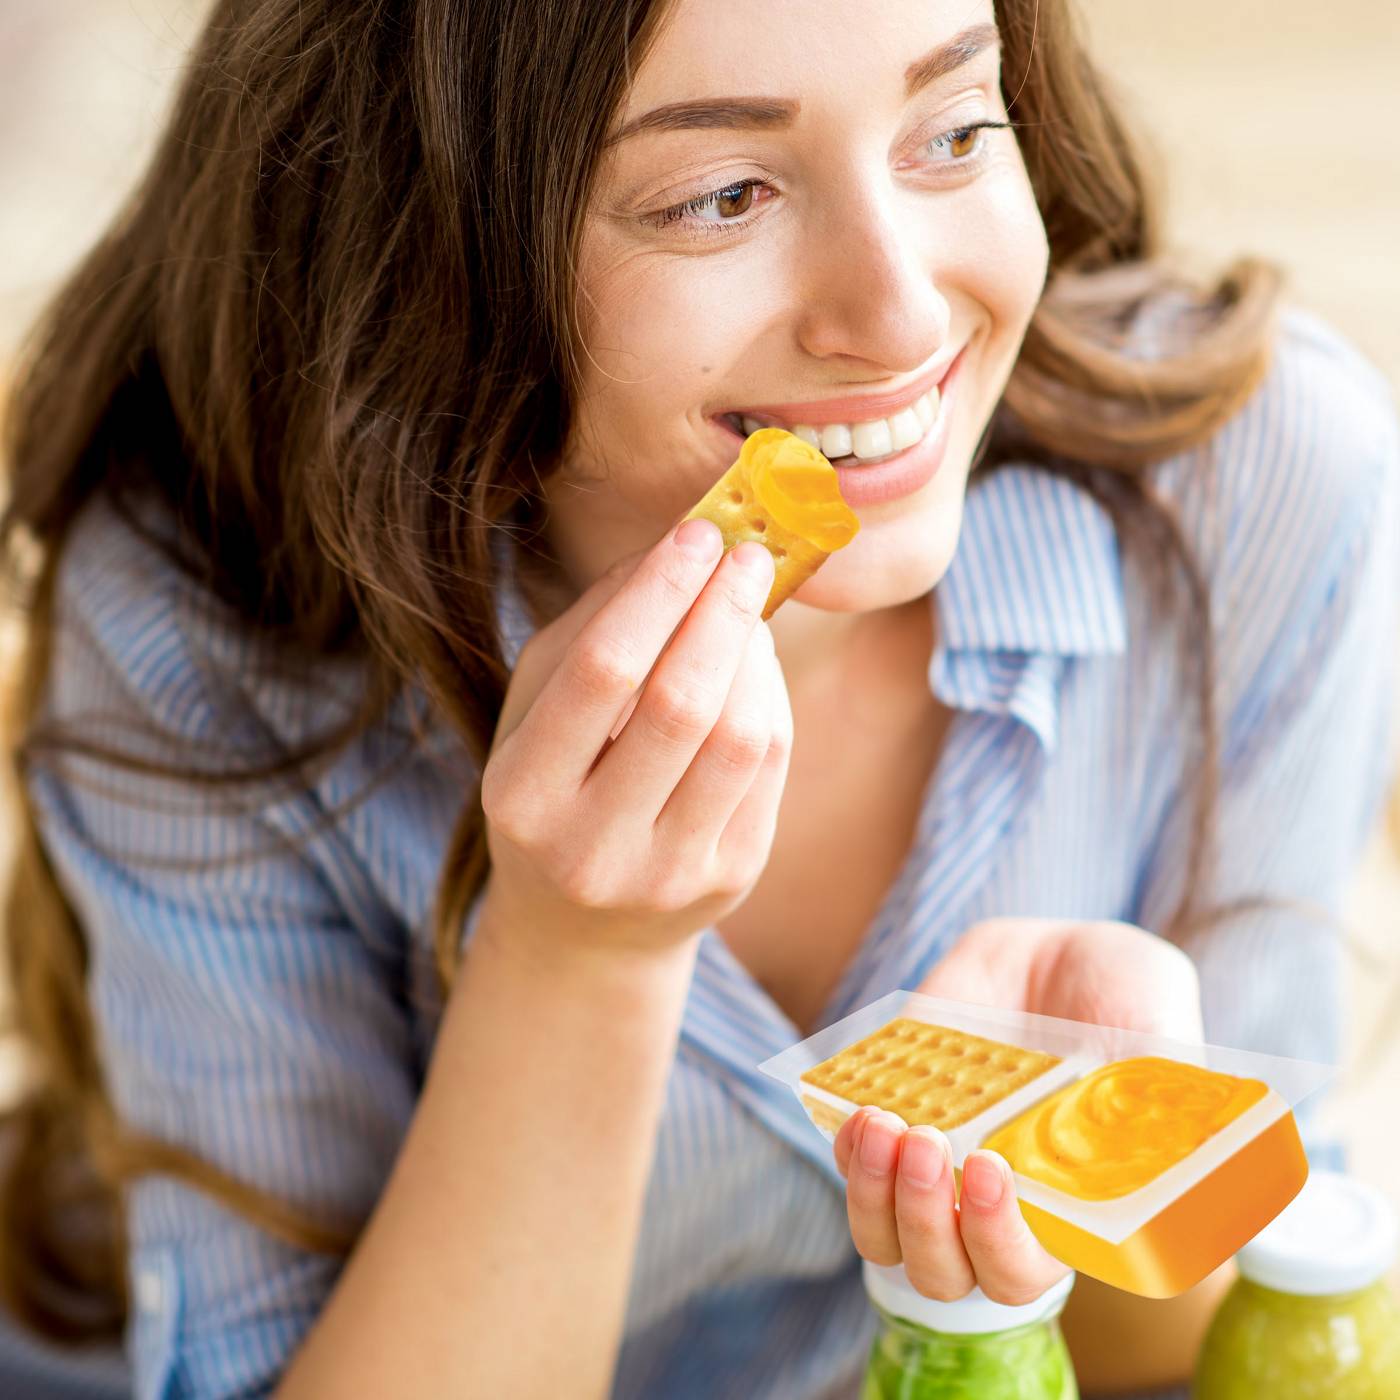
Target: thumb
{"points": [[990, 962]]}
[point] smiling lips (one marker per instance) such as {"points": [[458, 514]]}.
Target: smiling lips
{"points": [[910, 413]]}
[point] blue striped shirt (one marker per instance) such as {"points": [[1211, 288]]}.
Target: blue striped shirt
{"points": [[273, 1006]]}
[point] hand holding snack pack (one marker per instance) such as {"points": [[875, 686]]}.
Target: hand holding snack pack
{"points": [[642, 839], [1141, 1160], [1095, 971]]}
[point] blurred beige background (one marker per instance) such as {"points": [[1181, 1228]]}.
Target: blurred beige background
{"points": [[1275, 120]]}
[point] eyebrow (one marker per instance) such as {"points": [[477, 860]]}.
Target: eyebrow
{"points": [[774, 113]]}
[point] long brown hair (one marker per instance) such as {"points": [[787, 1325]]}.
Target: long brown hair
{"points": [[333, 333]]}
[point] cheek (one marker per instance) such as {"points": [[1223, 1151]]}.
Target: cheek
{"points": [[662, 329], [1002, 253], [659, 336]]}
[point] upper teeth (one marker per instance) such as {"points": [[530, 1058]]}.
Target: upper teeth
{"points": [[874, 438]]}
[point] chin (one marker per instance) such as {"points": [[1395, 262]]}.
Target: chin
{"points": [[888, 563], [832, 589]]}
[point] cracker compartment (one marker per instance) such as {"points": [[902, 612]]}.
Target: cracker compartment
{"points": [[936, 1074]]}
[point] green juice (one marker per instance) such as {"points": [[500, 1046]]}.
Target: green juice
{"points": [[1288, 1347], [909, 1362]]}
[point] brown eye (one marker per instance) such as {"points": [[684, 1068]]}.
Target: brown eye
{"points": [[715, 210], [961, 144], [734, 201]]}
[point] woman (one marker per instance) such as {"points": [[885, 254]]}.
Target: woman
{"points": [[420, 1016]]}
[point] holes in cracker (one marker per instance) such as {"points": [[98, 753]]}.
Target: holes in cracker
{"points": [[759, 525], [736, 496], [779, 553], [929, 1074]]}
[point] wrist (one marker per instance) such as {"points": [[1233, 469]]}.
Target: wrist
{"points": [[620, 1009], [597, 968]]}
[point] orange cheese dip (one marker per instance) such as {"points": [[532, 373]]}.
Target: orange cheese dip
{"points": [[798, 487], [1122, 1126]]}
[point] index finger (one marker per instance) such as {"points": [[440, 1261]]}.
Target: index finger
{"points": [[615, 649]]}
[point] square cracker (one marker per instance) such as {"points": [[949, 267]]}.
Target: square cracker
{"points": [[731, 504], [928, 1074]]}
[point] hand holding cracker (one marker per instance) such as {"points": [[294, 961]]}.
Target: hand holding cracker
{"points": [[783, 494], [640, 843]]}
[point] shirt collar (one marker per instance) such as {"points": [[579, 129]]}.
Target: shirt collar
{"points": [[1037, 569]]}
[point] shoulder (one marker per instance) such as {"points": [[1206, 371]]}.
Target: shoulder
{"points": [[1304, 473], [1291, 510], [139, 639], [130, 627], [1319, 440], [156, 691], [155, 688]]}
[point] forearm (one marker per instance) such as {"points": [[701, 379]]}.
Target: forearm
{"points": [[1123, 1343], [498, 1258]]}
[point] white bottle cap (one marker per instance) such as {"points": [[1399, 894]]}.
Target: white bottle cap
{"points": [[889, 1287], [1336, 1236]]}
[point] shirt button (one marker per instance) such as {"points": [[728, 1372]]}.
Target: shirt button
{"points": [[149, 1293]]}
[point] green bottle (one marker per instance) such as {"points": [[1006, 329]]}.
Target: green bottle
{"points": [[971, 1349], [1312, 1316]]}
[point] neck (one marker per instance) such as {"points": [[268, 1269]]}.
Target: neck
{"points": [[842, 654]]}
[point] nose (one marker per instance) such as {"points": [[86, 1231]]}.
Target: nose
{"points": [[868, 290]]}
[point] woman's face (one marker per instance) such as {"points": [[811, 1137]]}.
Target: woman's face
{"points": [[850, 234]]}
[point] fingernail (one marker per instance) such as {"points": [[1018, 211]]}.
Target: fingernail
{"points": [[982, 1182], [879, 1146], [921, 1158], [700, 539], [751, 556]]}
